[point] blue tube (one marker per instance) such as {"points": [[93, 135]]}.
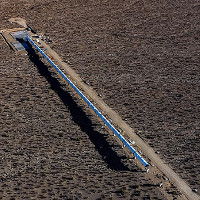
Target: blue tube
{"points": [[107, 123]]}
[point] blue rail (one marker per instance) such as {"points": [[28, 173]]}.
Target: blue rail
{"points": [[107, 123]]}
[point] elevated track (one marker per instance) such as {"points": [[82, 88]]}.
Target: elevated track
{"points": [[174, 178], [76, 83]]}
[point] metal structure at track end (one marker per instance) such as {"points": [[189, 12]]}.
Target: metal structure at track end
{"points": [[14, 39], [106, 122]]}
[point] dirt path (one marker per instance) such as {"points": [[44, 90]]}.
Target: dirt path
{"points": [[116, 119]]}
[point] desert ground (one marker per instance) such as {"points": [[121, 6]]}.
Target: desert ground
{"points": [[142, 57]]}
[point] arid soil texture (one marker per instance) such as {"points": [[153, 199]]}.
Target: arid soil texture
{"points": [[51, 148], [142, 57]]}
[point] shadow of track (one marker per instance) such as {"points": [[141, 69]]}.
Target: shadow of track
{"points": [[79, 116]]}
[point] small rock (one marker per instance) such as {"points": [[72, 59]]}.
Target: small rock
{"points": [[160, 184], [195, 190], [165, 178]]}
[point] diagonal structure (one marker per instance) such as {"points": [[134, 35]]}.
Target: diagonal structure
{"points": [[98, 113], [24, 38], [148, 151]]}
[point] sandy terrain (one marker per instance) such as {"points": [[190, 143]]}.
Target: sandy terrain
{"points": [[141, 57]]}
